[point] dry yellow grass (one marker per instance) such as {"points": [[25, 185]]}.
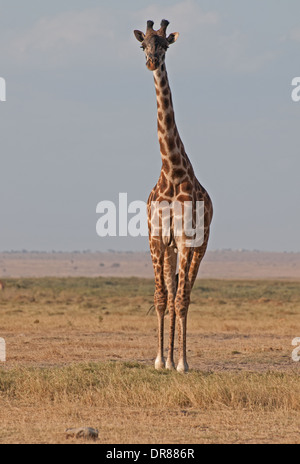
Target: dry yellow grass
{"points": [[80, 353], [122, 400]]}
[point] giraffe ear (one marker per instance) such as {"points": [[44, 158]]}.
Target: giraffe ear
{"points": [[139, 35], [173, 37]]}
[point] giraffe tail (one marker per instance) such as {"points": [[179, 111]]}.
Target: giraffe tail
{"points": [[150, 310], [176, 280]]}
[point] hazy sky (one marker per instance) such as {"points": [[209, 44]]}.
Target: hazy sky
{"points": [[79, 123]]}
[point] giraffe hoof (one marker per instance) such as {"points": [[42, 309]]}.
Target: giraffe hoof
{"points": [[160, 363], [170, 365], [182, 367]]}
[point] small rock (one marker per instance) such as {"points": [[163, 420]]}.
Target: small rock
{"points": [[83, 432]]}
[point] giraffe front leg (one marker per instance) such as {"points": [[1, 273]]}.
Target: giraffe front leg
{"points": [[182, 302], [182, 365], [160, 360], [160, 302], [170, 359], [170, 280]]}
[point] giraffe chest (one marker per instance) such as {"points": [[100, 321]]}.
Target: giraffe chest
{"points": [[168, 189]]}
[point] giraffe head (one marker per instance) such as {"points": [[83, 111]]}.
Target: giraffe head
{"points": [[155, 43]]}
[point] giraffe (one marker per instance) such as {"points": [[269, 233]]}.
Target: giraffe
{"points": [[177, 184]]}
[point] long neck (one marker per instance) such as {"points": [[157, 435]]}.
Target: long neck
{"points": [[175, 162]]}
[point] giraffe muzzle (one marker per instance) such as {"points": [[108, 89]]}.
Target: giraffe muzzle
{"points": [[152, 63]]}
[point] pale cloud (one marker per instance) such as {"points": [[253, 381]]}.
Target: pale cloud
{"points": [[206, 42], [292, 35], [186, 15], [103, 35], [66, 29], [237, 54], [295, 34], [61, 39], [97, 33]]}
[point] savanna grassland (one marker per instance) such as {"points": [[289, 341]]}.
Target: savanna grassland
{"points": [[80, 352]]}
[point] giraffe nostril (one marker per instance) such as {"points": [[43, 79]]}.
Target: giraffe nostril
{"points": [[152, 63]]}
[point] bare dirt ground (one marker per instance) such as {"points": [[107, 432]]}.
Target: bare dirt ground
{"points": [[216, 265]]}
